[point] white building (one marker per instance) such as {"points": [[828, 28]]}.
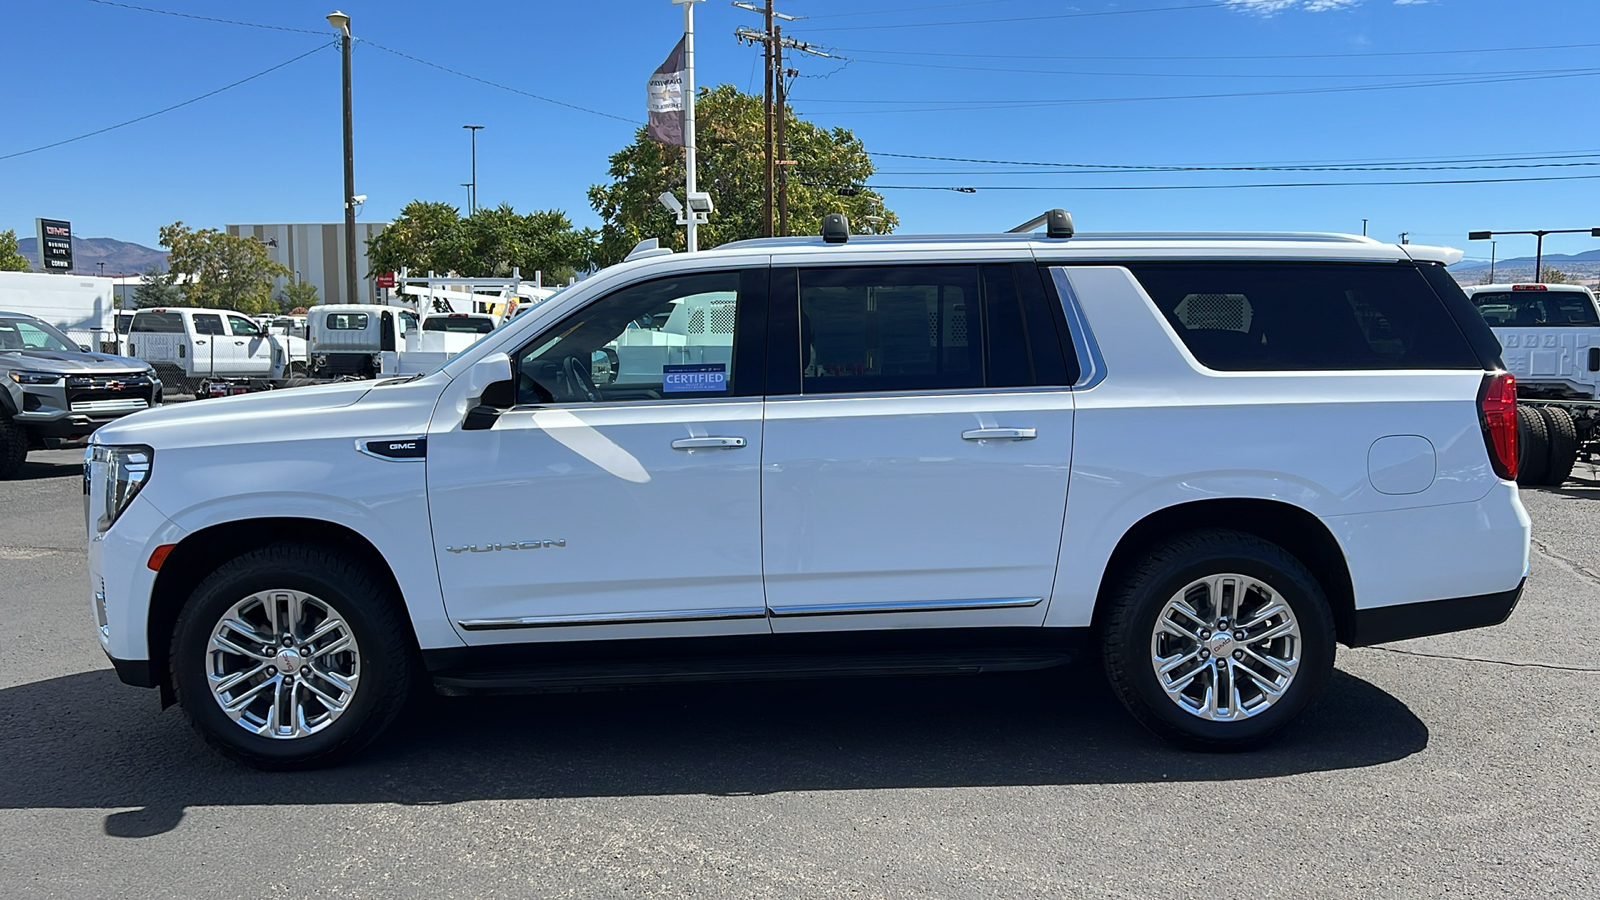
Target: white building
{"points": [[314, 251]]}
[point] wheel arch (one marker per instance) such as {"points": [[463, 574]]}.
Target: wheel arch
{"points": [[202, 552], [1291, 527]]}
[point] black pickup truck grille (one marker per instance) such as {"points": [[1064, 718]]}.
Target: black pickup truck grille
{"points": [[110, 393]]}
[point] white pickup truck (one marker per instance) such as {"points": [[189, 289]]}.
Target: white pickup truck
{"points": [[207, 349], [1550, 340], [441, 337]]}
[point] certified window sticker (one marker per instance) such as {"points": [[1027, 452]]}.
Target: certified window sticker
{"points": [[694, 379]]}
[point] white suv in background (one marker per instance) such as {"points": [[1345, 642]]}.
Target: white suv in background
{"points": [[1204, 459]]}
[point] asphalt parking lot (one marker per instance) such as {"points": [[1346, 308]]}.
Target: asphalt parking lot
{"points": [[1460, 766]]}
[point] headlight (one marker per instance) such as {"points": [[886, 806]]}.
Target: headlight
{"points": [[151, 374], [113, 476], [35, 377]]}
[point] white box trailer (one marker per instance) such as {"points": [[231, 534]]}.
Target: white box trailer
{"points": [[83, 306]]}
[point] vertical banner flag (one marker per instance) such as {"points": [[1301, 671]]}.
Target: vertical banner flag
{"points": [[666, 100]]}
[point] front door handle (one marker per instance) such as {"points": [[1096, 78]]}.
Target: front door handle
{"points": [[1000, 434], [708, 443]]}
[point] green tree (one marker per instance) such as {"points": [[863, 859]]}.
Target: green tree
{"points": [[11, 259], [1553, 275], [156, 289], [433, 237], [730, 167], [299, 293], [221, 271]]}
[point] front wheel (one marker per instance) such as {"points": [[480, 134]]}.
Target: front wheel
{"points": [[13, 448], [1217, 640], [290, 657]]}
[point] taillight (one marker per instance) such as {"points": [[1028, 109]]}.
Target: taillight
{"points": [[1497, 411]]}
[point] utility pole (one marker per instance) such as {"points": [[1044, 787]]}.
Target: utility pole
{"points": [[341, 24], [1363, 227], [1494, 247], [774, 103], [1403, 236], [472, 198], [690, 189]]}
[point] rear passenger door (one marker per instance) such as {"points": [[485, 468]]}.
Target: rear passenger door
{"points": [[212, 349], [917, 442]]}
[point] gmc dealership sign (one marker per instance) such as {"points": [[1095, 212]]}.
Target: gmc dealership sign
{"points": [[55, 244]]}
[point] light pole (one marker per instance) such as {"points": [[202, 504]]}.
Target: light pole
{"points": [[468, 186], [341, 24], [692, 240], [1494, 247], [1538, 258], [1363, 227], [472, 199]]}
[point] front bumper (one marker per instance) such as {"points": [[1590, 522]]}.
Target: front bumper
{"points": [[1383, 624], [137, 672], [79, 404]]}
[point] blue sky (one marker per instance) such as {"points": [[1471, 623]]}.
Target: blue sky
{"points": [[1033, 81]]}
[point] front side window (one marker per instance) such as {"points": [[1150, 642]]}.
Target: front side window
{"points": [[243, 327], [1264, 316], [663, 339], [1532, 309]]}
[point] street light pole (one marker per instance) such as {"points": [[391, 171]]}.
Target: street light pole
{"points": [[472, 201], [341, 24], [692, 239], [1494, 247], [1539, 233]]}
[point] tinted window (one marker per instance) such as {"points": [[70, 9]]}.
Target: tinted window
{"points": [[1526, 309], [207, 324], [668, 338], [347, 322], [157, 323], [890, 328], [460, 325], [1304, 316]]}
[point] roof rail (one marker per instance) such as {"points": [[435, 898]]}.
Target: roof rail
{"points": [[647, 248], [1057, 224]]}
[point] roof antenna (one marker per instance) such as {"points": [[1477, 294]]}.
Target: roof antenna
{"points": [[835, 228]]}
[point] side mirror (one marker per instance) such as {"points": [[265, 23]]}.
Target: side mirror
{"points": [[491, 389], [85, 348]]}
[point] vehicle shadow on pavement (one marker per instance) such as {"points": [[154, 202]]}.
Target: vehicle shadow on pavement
{"points": [[87, 741]]}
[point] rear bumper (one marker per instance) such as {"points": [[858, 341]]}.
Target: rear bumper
{"points": [[1383, 624]]}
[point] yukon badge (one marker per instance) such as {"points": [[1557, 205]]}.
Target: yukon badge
{"points": [[518, 545]]}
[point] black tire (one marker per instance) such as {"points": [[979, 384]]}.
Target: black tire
{"points": [[13, 447], [1137, 600], [1533, 447], [1563, 438], [388, 658]]}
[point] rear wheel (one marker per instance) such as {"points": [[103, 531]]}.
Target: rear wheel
{"points": [[1563, 438], [13, 447], [1533, 446], [1217, 640], [291, 656]]}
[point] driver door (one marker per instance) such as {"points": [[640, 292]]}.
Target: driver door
{"points": [[620, 497]]}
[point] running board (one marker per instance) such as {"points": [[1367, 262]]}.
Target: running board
{"points": [[581, 676]]}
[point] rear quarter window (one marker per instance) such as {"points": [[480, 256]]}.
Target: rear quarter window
{"points": [[1307, 316]]}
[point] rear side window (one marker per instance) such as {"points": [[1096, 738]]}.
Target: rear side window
{"points": [[157, 323], [459, 324], [1530, 309], [1307, 316], [207, 324], [347, 322]]}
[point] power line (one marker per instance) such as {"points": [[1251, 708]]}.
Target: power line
{"points": [[905, 9], [1193, 75], [1542, 155], [1078, 15], [496, 84], [1027, 104], [965, 189], [168, 12], [172, 107], [1223, 58]]}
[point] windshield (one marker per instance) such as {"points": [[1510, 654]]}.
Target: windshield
{"points": [[1532, 309], [32, 334]]}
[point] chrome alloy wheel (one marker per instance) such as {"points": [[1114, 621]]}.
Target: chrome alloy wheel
{"points": [[283, 664], [1225, 647]]}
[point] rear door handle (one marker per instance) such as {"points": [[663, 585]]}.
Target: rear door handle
{"points": [[1000, 434], [708, 443]]}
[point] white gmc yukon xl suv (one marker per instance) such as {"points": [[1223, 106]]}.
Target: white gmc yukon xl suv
{"points": [[1205, 459]]}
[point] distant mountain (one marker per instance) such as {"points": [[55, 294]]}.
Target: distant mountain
{"points": [[1584, 268], [120, 257]]}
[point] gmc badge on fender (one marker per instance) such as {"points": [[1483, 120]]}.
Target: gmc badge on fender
{"points": [[412, 448]]}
